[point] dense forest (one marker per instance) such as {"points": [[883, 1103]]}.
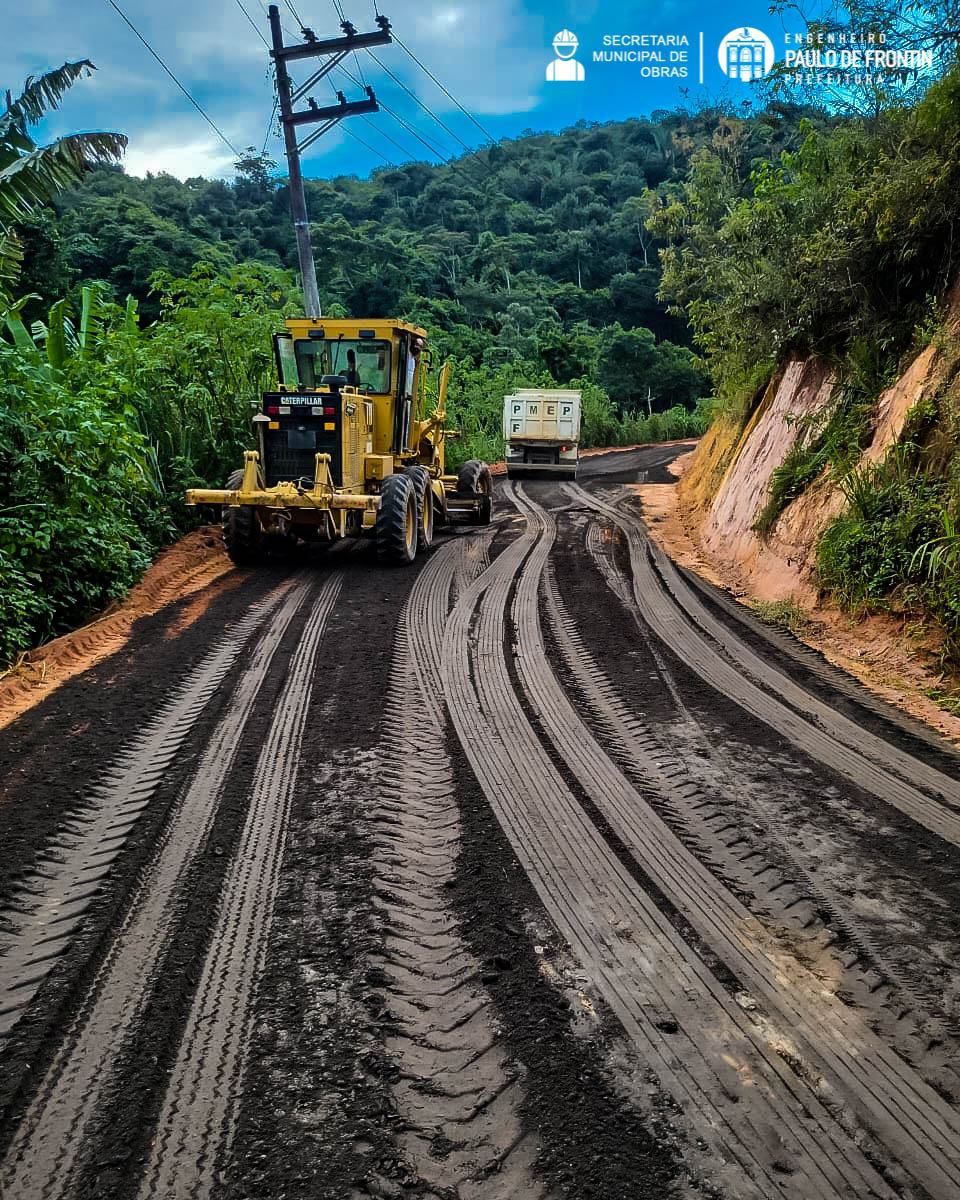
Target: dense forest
{"points": [[533, 250], [141, 310], [651, 262]]}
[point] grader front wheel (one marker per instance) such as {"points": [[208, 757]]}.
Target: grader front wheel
{"points": [[242, 533], [474, 479], [396, 530], [421, 483]]}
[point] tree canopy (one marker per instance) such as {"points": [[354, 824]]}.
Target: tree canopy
{"points": [[31, 175]]}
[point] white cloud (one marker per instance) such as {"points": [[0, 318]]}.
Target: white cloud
{"points": [[489, 54], [184, 159]]}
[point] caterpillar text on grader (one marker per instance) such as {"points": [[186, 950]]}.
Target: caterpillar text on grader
{"points": [[346, 447]]}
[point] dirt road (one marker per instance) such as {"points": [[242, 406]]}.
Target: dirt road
{"points": [[540, 870]]}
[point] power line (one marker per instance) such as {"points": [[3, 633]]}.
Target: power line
{"points": [[426, 70], [376, 129], [296, 15], [451, 165], [400, 121], [383, 133], [257, 29], [413, 133], [416, 99], [373, 150], [217, 130], [266, 136], [444, 157]]}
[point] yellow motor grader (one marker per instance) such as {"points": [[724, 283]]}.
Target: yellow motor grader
{"points": [[347, 447]]}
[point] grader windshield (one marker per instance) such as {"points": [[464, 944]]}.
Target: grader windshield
{"points": [[364, 362]]}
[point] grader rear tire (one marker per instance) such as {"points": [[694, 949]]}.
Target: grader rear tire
{"points": [[242, 534], [396, 530], [421, 483], [474, 477]]}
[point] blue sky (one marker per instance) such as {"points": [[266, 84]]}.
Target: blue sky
{"points": [[492, 55]]}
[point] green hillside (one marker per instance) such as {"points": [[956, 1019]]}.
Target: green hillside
{"points": [[143, 330], [846, 250], [505, 251]]}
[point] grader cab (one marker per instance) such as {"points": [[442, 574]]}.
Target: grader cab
{"points": [[351, 443]]}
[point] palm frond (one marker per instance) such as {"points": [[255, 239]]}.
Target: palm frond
{"points": [[11, 259], [35, 178], [22, 339], [42, 94], [14, 143], [91, 318]]}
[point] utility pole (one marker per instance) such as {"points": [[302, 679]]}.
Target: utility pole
{"points": [[334, 50]]}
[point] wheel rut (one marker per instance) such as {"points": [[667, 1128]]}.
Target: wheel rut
{"points": [[195, 1127], [751, 859], [51, 1141], [812, 670], [44, 914], [514, 829], [456, 1091], [705, 807], [799, 1016], [679, 618], [768, 1133]]}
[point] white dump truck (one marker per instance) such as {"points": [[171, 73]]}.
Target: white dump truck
{"points": [[542, 430]]}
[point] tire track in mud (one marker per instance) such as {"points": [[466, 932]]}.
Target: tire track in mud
{"points": [[768, 1134], [195, 1126], [44, 913], [709, 819], [808, 666], [680, 620], [51, 1142], [456, 1092], [905, 1116], [705, 802]]}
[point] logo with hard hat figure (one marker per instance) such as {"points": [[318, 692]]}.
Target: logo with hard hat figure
{"points": [[565, 68]]}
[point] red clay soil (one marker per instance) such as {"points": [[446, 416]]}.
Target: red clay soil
{"points": [[182, 569], [880, 650]]}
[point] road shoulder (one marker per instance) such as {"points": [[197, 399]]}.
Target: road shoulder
{"points": [[876, 650]]}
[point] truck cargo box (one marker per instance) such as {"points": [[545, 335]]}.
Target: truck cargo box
{"points": [[541, 427], [536, 414]]}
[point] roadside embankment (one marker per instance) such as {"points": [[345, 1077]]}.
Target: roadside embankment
{"points": [[191, 564], [709, 522]]}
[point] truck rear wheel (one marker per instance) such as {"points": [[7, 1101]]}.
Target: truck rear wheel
{"points": [[474, 478], [242, 534], [421, 483], [396, 528]]}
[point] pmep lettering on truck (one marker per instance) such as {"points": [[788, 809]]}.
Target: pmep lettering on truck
{"points": [[541, 427]]}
